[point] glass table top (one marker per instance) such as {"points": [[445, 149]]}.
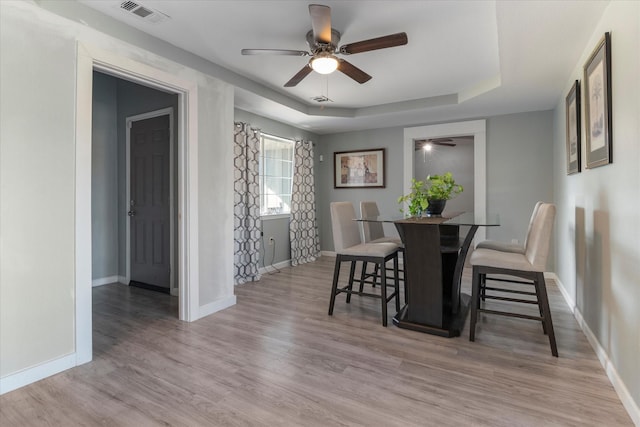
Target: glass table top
{"points": [[448, 218]]}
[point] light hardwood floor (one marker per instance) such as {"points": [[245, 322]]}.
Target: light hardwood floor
{"points": [[277, 359]]}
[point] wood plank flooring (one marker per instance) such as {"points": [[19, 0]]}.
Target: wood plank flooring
{"points": [[277, 359]]}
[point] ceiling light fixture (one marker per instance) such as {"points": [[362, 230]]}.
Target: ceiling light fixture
{"points": [[324, 63], [427, 147]]}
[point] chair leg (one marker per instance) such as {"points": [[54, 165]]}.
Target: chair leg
{"points": [[483, 286], [334, 286], [352, 271], [383, 292], [541, 289], [376, 272], [396, 278], [363, 275], [540, 309], [475, 297]]}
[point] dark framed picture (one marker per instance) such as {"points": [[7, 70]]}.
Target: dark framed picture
{"points": [[573, 129], [597, 97], [359, 169]]}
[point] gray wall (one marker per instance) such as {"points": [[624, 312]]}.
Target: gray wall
{"points": [[391, 140], [104, 178], [278, 228], [519, 171], [37, 217], [597, 227]]}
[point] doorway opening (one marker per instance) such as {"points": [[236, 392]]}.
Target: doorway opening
{"points": [[470, 130], [436, 156], [90, 59], [133, 185]]}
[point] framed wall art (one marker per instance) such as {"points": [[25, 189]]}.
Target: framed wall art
{"points": [[597, 97], [573, 129], [359, 169]]}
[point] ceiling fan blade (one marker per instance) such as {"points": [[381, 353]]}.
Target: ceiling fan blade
{"points": [[383, 42], [321, 23], [274, 52], [352, 71], [299, 76]]}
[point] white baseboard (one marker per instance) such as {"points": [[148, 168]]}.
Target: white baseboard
{"points": [[36, 373], [619, 386], [105, 281], [213, 307], [328, 253], [279, 265]]}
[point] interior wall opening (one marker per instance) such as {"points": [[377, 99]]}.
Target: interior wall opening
{"points": [[123, 111]]}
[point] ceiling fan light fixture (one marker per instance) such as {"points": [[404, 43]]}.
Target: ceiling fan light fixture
{"points": [[324, 64]]}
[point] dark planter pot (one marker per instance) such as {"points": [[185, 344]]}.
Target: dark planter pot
{"points": [[435, 207]]}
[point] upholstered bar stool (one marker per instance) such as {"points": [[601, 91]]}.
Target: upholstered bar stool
{"points": [[528, 265], [350, 248], [510, 247], [506, 247]]}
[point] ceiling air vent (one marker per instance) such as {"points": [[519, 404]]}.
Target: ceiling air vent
{"points": [[321, 98], [145, 13]]}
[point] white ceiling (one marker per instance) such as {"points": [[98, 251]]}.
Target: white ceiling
{"points": [[464, 58]]}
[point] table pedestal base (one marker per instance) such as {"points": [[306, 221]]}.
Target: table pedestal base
{"points": [[451, 326]]}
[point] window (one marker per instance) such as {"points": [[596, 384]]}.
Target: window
{"points": [[276, 173]]}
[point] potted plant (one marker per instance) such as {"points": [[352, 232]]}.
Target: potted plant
{"points": [[431, 195], [417, 199]]}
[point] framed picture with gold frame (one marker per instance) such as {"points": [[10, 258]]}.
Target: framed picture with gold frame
{"points": [[359, 169]]}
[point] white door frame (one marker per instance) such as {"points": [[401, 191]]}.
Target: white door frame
{"points": [[128, 123], [477, 128], [90, 58]]}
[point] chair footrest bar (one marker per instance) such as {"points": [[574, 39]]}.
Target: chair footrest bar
{"points": [[511, 291], [509, 281], [364, 294], [506, 313], [525, 301]]}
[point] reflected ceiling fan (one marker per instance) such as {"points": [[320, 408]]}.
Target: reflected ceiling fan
{"points": [[323, 44], [423, 144]]}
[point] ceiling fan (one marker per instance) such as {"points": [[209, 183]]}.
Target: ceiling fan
{"points": [[421, 144], [323, 44]]}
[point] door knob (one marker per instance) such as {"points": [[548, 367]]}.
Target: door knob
{"points": [[131, 213]]}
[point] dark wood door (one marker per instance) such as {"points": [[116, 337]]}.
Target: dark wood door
{"points": [[149, 204]]}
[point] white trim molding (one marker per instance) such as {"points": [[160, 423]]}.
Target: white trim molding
{"points": [[105, 281], [216, 306], [269, 268], [618, 384], [36, 373]]}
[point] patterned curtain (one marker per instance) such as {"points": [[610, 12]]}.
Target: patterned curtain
{"points": [[303, 230], [246, 203]]}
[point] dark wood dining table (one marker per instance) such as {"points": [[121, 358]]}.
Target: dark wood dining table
{"points": [[434, 257]]}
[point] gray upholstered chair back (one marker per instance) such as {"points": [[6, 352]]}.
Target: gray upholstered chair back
{"points": [[370, 230], [539, 238], [345, 229], [533, 217]]}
